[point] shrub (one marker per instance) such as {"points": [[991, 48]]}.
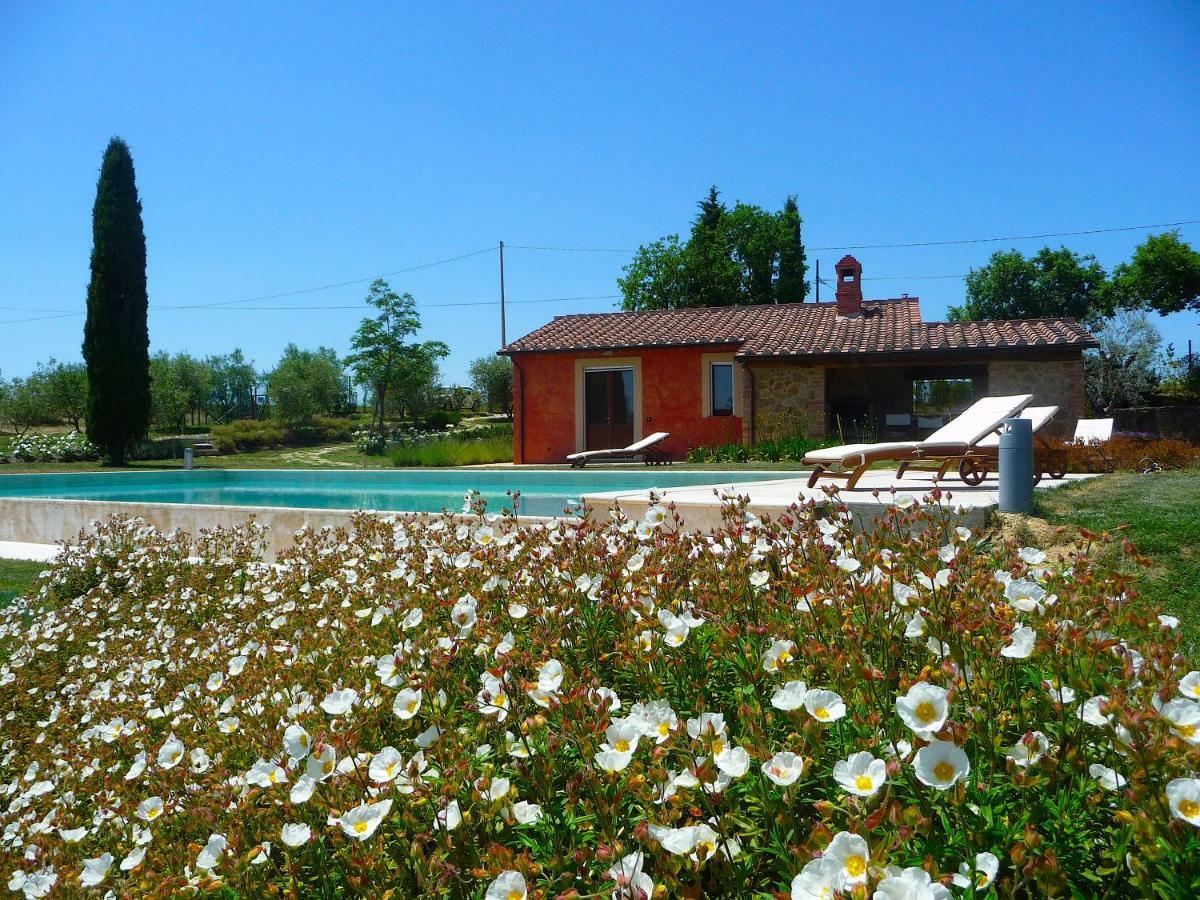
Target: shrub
{"points": [[440, 419], [1127, 452], [73, 447], [455, 451], [437, 706], [787, 449], [247, 434]]}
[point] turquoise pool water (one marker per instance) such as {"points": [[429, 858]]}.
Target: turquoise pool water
{"points": [[543, 492]]}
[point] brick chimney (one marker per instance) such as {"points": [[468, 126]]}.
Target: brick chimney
{"points": [[849, 286]]}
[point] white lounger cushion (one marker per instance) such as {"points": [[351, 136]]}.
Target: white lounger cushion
{"points": [[848, 453], [978, 420], [635, 447], [1038, 416], [1093, 431]]}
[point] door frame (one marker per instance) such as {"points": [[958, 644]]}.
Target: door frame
{"points": [[597, 363]]}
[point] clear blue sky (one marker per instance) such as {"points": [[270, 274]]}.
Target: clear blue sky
{"points": [[284, 146]]}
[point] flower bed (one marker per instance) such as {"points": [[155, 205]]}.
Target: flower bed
{"points": [[470, 709], [72, 447]]}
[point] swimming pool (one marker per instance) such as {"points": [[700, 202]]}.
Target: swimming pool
{"points": [[543, 492]]}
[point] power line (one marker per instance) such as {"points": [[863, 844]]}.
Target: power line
{"points": [[357, 306], [327, 287], [1014, 237], [987, 240], [361, 306]]}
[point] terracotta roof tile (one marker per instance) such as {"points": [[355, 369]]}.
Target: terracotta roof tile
{"points": [[796, 329]]}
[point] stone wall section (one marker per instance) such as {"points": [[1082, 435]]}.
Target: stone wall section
{"points": [[1052, 382], [788, 399]]}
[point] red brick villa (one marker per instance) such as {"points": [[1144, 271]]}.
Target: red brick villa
{"points": [[747, 373]]}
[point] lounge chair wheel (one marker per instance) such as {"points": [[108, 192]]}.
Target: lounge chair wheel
{"points": [[971, 472]]}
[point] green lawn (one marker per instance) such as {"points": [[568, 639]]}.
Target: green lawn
{"points": [[16, 576], [1162, 512]]}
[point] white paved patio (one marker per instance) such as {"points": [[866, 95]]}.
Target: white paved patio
{"points": [[27, 551], [700, 506]]}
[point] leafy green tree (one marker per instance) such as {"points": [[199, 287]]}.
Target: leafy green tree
{"points": [[1163, 275], [66, 387], [306, 383], [232, 385], [492, 378], [23, 404], [657, 278], [414, 387], [168, 394], [1050, 284], [379, 345], [1126, 368], [116, 338], [732, 257]]}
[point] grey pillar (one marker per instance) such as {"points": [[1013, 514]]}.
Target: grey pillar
{"points": [[1016, 465]]}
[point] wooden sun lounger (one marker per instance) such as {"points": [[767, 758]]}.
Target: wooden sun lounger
{"points": [[643, 449], [954, 439], [974, 465]]}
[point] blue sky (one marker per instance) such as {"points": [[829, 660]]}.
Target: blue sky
{"points": [[286, 146]]}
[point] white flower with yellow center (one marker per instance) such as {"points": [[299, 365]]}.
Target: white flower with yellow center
{"points": [[491, 699], [860, 774], [150, 809], [322, 764], [386, 765], [1184, 716], [1189, 685], [1183, 795], [820, 879], [296, 742], [824, 706], [941, 765], [849, 852], [924, 709], [508, 885], [778, 655], [362, 821], [981, 875], [407, 703], [784, 768]]}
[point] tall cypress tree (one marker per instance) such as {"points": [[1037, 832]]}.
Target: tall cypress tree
{"points": [[116, 339], [791, 286]]}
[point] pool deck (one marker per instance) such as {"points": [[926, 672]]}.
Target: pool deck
{"points": [[700, 507]]}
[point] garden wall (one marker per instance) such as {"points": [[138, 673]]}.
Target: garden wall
{"points": [[1057, 382], [1181, 422]]}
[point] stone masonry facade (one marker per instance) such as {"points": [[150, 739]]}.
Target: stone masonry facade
{"points": [[788, 399], [1057, 382]]}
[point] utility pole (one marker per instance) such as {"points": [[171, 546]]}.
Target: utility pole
{"points": [[503, 330], [818, 281]]}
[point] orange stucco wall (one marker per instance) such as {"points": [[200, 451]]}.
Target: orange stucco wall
{"points": [[544, 402]]}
